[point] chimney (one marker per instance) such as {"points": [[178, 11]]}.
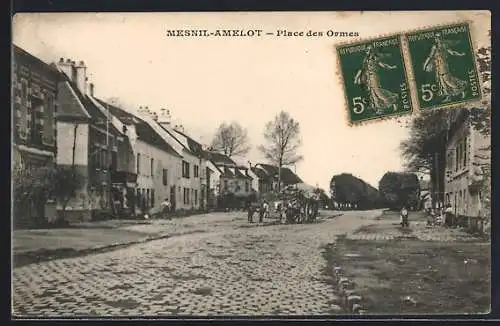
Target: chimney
{"points": [[91, 89], [81, 77], [66, 67], [164, 117]]}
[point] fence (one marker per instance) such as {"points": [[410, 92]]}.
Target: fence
{"points": [[473, 224]]}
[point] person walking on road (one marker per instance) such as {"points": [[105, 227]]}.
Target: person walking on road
{"points": [[404, 217], [166, 208], [250, 209]]}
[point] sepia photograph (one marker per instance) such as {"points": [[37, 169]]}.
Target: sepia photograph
{"points": [[251, 164]]}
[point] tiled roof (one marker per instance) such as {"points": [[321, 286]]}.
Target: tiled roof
{"points": [[21, 53], [144, 131], [260, 173], [193, 145], [287, 175], [227, 173], [97, 116], [240, 174], [218, 158]]}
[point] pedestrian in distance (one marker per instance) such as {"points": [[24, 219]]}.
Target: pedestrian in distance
{"points": [[166, 208], [448, 213], [262, 211], [266, 209], [250, 212], [404, 217]]}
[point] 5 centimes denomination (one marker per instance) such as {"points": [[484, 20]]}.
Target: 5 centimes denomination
{"points": [[374, 78], [444, 67]]}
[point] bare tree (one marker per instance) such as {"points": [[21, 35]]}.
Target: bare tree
{"points": [[283, 139], [231, 139]]}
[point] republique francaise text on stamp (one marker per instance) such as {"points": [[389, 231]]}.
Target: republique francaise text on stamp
{"points": [[443, 64], [375, 79]]}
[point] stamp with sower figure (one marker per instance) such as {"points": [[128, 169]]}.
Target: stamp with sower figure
{"points": [[374, 78], [443, 65]]}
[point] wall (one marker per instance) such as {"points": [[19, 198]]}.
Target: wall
{"points": [[236, 186], [193, 183], [464, 199], [162, 160], [65, 138]]}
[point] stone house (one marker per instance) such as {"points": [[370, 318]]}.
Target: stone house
{"points": [[34, 107], [468, 155], [191, 181], [233, 178], [268, 177], [94, 141], [157, 164]]}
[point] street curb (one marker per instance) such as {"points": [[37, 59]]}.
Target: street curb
{"points": [[350, 300], [41, 255]]}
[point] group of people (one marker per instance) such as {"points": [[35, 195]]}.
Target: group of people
{"points": [[441, 216], [263, 209]]}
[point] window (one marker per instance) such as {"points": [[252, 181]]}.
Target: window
{"points": [[185, 169], [152, 166], [48, 124], [247, 186], [165, 177], [186, 196], [456, 158], [147, 197], [37, 120], [152, 198], [225, 185], [465, 152], [23, 119], [196, 171], [138, 163], [195, 197], [114, 160]]}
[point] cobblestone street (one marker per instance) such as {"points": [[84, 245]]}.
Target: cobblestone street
{"points": [[233, 269]]}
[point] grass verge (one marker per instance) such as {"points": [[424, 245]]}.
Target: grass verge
{"points": [[414, 277]]}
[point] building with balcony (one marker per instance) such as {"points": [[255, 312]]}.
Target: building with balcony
{"points": [[468, 156]]}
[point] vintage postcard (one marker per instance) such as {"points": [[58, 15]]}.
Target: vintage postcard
{"points": [[251, 164], [444, 66]]}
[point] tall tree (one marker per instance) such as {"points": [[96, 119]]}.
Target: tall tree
{"points": [[231, 139], [282, 135], [424, 150], [398, 189]]}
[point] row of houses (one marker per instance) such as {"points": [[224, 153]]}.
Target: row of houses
{"points": [[131, 160]]}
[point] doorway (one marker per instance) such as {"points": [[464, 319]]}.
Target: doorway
{"points": [[172, 197]]}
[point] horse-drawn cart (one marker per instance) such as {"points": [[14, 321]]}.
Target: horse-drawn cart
{"points": [[300, 203]]}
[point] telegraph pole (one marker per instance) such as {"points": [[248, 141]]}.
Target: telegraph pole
{"points": [[108, 159]]}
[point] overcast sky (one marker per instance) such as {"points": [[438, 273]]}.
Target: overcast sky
{"points": [[205, 81]]}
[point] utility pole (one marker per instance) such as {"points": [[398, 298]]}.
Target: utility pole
{"points": [[108, 160]]}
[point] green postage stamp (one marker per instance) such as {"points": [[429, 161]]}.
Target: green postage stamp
{"points": [[375, 79], [444, 67]]}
